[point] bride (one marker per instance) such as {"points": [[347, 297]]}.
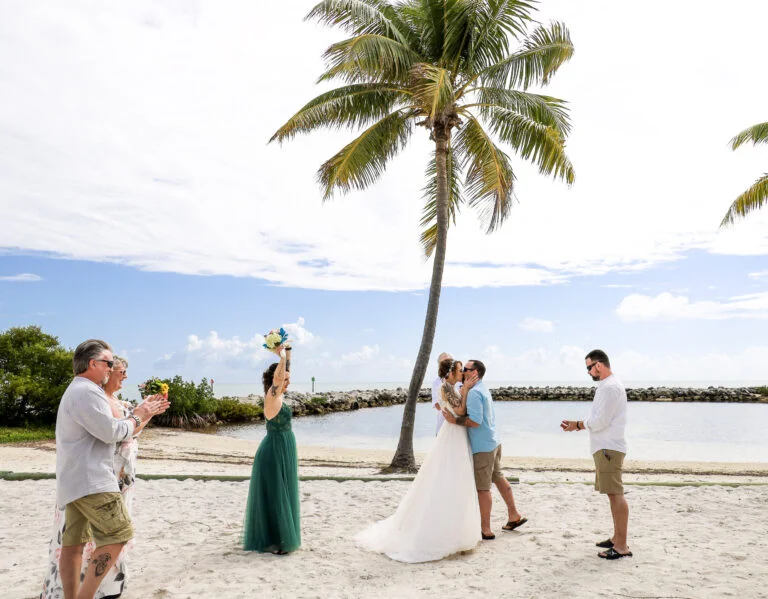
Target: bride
{"points": [[439, 514]]}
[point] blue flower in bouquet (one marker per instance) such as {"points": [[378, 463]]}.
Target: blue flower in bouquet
{"points": [[275, 338]]}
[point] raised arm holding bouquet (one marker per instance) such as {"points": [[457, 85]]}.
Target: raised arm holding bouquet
{"points": [[272, 514]]}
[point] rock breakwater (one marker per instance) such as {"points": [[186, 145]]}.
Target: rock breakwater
{"points": [[342, 401]]}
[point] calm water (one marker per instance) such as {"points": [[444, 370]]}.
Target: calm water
{"points": [[655, 431]]}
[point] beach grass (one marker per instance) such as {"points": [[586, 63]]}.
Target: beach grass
{"points": [[22, 434]]}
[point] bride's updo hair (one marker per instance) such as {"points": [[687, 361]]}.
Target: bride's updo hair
{"points": [[268, 377], [447, 366]]}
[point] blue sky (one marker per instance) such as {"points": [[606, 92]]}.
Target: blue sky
{"points": [[141, 204]]}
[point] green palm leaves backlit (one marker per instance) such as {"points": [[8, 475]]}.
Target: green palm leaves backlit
{"points": [[450, 67], [757, 195]]}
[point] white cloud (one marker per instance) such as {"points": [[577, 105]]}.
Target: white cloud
{"points": [[759, 275], [536, 325], [22, 278], [669, 307], [364, 355], [135, 161], [298, 334], [235, 354]]}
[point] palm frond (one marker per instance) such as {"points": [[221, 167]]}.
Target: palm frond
{"points": [[752, 199], [543, 53], [546, 110], [756, 134], [360, 17], [352, 106], [534, 141], [363, 161], [492, 23], [490, 180], [431, 88], [369, 58], [429, 214]]}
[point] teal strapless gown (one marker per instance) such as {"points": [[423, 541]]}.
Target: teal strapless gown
{"points": [[272, 516]]}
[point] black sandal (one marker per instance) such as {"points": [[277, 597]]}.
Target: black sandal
{"points": [[489, 537], [613, 554], [607, 544], [509, 526]]}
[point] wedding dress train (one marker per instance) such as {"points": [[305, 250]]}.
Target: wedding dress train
{"points": [[439, 514]]}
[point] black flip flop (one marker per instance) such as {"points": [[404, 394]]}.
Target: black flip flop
{"points": [[489, 537], [510, 526], [613, 554], [607, 544]]}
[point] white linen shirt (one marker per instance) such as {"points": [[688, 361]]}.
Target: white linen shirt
{"points": [[436, 384], [86, 433], [608, 418]]}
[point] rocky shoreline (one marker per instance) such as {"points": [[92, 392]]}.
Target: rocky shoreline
{"points": [[342, 401]]}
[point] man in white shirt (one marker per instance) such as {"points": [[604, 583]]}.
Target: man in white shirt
{"points": [[436, 392], [606, 423], [86, 433]]}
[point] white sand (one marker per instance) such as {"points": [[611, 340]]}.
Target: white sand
{"points": [[709, 541]]}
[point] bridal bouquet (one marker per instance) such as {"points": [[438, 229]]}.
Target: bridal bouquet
{"points": [[153, 386], [274, 338]]}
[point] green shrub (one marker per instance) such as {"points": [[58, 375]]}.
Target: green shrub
{"points": [[192, 406], [34, 373], [318, 401], [762, 390], [232, 410], [26, 434]]}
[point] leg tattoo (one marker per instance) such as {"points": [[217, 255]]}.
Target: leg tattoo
{"points": [[100, 563]]}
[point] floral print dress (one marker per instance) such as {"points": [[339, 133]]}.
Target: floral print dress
{"points": [[114, 583]]}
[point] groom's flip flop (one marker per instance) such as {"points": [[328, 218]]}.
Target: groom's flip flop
{"points": [[509, 526]]}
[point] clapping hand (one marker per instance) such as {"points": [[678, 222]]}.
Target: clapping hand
{"points": [[152, 406]]}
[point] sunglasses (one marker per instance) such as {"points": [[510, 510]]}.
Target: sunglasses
{"points": [[109, 363], [589, 368], [467, 369]]}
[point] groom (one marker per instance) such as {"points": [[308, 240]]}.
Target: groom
{"points": [[486, 449]]}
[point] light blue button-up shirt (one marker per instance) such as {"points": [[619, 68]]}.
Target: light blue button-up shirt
{"points": [[480, 409]]}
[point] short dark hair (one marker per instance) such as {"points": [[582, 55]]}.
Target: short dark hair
{"points": [[87, 351], [268, 377], [598, 355], [479, 367]]}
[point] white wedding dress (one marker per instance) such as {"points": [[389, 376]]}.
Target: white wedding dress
{"points": [[439, 514]]}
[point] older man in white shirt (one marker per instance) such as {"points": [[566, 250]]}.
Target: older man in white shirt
{"points": [[86, 433], [606, 423]]}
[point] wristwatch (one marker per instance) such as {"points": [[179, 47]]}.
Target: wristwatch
{"points": [[136, 419]]}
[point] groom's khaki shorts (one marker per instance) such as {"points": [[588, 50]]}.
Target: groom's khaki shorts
{"points": [[609, 465], [102, 517], [487, 468]]}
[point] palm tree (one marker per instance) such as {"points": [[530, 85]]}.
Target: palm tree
{"points": [[757, 195], [447, 66]]}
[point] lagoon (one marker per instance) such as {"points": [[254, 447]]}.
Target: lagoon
{"points": [[702, 432]]}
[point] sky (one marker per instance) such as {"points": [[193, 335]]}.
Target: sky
{"points": [[141, 203]]}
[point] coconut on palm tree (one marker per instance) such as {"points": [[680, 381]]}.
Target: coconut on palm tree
{"points": [[757, 195], [462, 71]]}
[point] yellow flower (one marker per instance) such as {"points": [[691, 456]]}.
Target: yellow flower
{"points": [[164, 388]]}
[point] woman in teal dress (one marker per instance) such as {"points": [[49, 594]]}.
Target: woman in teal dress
{"points": [[272, 515]]}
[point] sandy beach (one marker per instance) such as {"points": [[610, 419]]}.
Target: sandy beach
{"points": [[689, 539]]}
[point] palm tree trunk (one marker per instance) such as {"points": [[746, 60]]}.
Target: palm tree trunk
{"points": [[403, 459]]}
